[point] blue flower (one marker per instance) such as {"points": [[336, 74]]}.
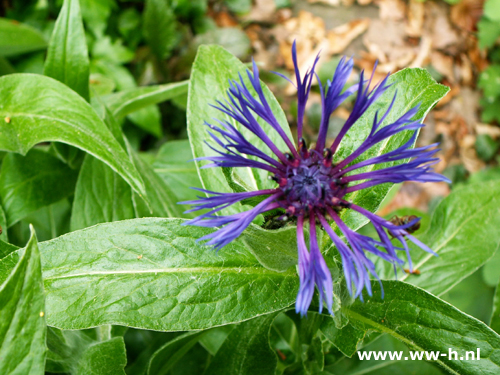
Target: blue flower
{"points": [[310, 187]]}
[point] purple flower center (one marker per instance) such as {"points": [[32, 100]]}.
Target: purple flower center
{"points": [[308, 182]]}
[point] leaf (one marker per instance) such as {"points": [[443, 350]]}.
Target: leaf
{"points": [[22, 322], [174, 165], [168, 355], [463, 233], [246, 350], [414, 86], [6, 249], [67, 55], [95, 13], [39, 109], [28, 183], [275, 250], [426, 323], [159, 27], [103, 358], [101, 195], [232, 39], [212, 69], [17, 38], [127, 101], [152, 274], [495, 314], [3, 225], [148, 119]]}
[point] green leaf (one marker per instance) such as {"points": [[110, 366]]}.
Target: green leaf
{"points": [[426, 323], [103, 358], [17, 38], [101, 195], [151, 273], [148, 119], [212, 69], [246, 350], [414, 86], [159, 27], [462, 232], [95, 13], [276, 249], [39, 109], [28, 183], [174, 164], [67, 55], [22, 322], [125, 102], [6, 249], [168, 355], [3, 226], [495, 314], [488, 32], [492, 10]]}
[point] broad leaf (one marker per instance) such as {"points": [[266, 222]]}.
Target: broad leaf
{"points": [[495, 314], [463, 232], [246, 350], [39, 109], [22, 321], [28, 183], [212, 69], [17, 38], [102, 196], [152, 274], [426, 323], [67, 55], [414, 87], [174, 165], [127, 101]]}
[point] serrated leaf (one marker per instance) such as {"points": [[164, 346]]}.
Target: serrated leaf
{"points": [[152, 274], [28, 183], [127, 101], [426, 323], [67, 55], [212, 69], [38, 109], [17, 38], [22, 322], [246, 350]]}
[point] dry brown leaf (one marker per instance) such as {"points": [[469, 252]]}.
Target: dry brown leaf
{"points": [[391, 9], [438, 26], [333, 3], [468, 154], [415, 18], [364, 2], [492, 131], [423, 54], [444, 65], [340, 37], [262, 11], [467, 13]]}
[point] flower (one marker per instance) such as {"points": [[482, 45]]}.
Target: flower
{"points": [[310, 186]]}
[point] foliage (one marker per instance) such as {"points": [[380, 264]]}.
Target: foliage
{"points": [[117, 284]]}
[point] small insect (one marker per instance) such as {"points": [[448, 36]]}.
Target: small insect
{"points": [[414, 272], [404, 220]]}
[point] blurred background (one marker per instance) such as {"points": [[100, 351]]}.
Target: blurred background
{"points": [[136, 43]]}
